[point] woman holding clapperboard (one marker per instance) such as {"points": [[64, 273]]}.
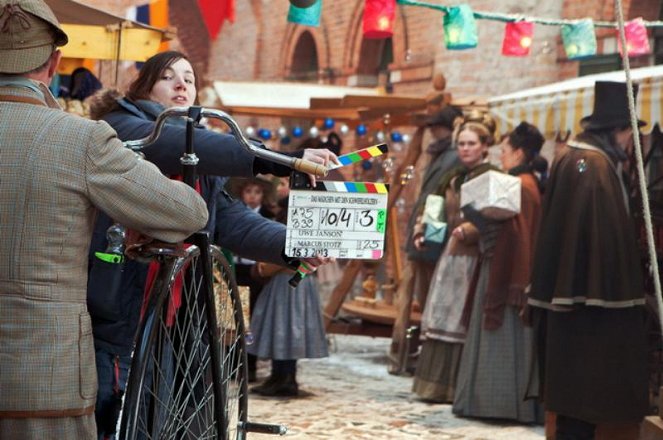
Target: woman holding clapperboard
{"points": [[442, 327], [494, 367]]}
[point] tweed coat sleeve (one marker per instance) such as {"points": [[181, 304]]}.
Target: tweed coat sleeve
{"points": [[135, 192]]}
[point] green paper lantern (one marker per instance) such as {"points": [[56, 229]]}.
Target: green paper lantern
{"points": [[306, 16], [460, 28], [579, 39]]}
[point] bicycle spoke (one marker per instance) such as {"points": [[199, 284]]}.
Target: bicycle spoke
{"points": [[178, 398]]}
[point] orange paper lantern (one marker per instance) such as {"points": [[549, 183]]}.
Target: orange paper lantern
{"points": [[379, 16], [517, 38]]}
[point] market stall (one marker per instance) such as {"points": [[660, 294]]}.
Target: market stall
{"points": [[99, 35], [558, 107]]}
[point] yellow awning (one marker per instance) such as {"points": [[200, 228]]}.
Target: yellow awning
{"points": [[96, 34], [558, 107]]}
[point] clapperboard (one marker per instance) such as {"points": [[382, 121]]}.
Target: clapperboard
{"points": [[339, 219]]}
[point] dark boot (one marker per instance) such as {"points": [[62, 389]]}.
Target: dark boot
{"points": [[271, 380], [285, 386]]}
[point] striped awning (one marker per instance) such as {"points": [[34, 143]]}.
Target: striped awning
{"points": [[559, 107]]}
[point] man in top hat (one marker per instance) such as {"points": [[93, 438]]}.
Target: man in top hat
{"points": [[587, 291], [57, 169]]}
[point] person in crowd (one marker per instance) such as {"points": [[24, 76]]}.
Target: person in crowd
{"points": [[442, 158], [83, 84], [442, 327], [166, 80], [587, 289], [57, 170], [256, 194], [493, 373], [287, 324]]}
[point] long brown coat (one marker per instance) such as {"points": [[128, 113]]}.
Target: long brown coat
{"points": [[56, 169]]}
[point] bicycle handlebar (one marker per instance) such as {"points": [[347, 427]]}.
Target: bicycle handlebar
{"points": [[249, 145]]}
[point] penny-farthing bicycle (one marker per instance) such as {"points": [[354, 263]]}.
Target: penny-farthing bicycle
{"points": [[188, 376]]}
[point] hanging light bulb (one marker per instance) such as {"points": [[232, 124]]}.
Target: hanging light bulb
{"points": [[407, 174], [361, 130], [309, 16], [388, 165], [329, 123], [378, 20], [344, 129], [460, 28], [282, 132], [297, 132], [637, 40], [579, 39], [380, 136], [313, 131], [517, 38], [250, 131], [406, 138]]}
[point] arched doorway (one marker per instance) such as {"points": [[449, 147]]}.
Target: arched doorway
{"points": [[304, 66], [375, 56]]}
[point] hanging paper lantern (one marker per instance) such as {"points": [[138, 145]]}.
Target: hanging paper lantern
{"points": [[329, 123], [250, 131], [379, 18], [406, 138], [309, 16], [579, 39], [313, 131], [282, 132], [361, 129], [637, 40], [460, 28], [517, 38], [396, 136], [380, 136], [302, 3], [265, 134], [345, 129], [297, 132]]}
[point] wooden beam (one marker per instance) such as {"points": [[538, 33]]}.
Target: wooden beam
{"points": [[106, 42]]}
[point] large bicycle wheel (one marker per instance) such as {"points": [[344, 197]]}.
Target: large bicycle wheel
{"points": [[188, 375]]}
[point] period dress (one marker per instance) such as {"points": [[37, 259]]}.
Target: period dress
{"points": [[494, 367], [442, 327]]}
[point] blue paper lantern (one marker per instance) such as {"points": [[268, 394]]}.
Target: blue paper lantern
{"points": [[265, 134], [460, 28], [361, 129], [285, 140], [329, 123], [396, 136], [297, 132], [579, 39], [306, 16]]}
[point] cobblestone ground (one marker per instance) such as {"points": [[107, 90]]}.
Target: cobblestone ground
{"points": [[350, 395]]}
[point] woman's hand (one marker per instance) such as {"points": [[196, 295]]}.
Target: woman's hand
{"points": [[418, 240], [459, 233], [319, 155]]}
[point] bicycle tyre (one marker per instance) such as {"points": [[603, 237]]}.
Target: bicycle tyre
{"points": [[184, 382]]}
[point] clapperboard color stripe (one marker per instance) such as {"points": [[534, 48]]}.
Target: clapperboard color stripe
{"points": [[352, 187], [358, 156]]}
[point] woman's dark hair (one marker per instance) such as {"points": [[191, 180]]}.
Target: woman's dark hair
{"points": [[528, 138], [153, 70]]}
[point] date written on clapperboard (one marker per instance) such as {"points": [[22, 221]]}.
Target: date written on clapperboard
{"points": [[337, 219]]}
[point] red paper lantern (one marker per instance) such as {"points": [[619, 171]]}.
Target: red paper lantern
{"points": [[379, 16], [637, 40], [517, 38]]}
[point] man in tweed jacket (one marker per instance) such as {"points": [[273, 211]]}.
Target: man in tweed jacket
{"points": [[56, 169]]}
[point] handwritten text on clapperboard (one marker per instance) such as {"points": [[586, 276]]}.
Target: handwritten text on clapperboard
{"points": [[337, 219]]}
